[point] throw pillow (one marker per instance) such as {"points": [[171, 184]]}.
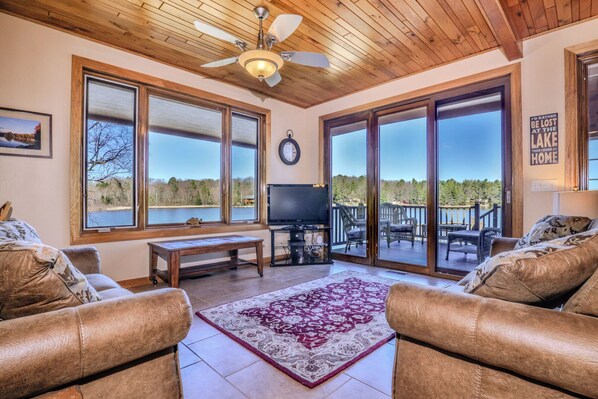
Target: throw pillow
{"points": [[36, 278], [585, 300], [539, 274], [551, 227], [18, 230]]}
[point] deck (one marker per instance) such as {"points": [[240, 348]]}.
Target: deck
{"points": [[403, 253]]}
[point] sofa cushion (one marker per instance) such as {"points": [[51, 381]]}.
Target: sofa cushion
{"points": [[585, 300], [101, 282], [18, 230], [551, 227], [36, 278], [539, 274], [114, 293]]}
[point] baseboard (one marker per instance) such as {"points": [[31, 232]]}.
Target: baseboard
{"points": [[136, 282]]}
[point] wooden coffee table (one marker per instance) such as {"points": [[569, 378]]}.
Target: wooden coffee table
{"points": [[172, 251]]}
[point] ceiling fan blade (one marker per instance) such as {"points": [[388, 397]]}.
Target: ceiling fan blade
{"points": [[216, 32], [284, 25], [220, 63], [306, 58], [274, 79]]}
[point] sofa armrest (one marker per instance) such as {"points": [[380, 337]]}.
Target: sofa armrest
{"points": [[502, 244], [557, 348], [48, 350], [85, 259]]}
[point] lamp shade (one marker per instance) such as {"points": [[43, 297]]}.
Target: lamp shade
{"points": [[261, 63]]}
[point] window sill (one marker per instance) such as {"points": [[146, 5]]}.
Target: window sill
{"points": [[119, 235]]}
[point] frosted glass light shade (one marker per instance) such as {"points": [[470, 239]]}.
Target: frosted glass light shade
{"points": [[261, 63]]}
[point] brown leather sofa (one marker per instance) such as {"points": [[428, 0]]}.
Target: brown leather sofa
{"points": [[124, 346], [456, 345]]}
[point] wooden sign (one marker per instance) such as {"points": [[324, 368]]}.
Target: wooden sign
{"points": [[544, 139]]}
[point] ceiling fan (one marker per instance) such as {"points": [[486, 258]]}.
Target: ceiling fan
{"points": [[263, 63]]}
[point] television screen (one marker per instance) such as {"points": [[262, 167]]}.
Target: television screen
{"points": [[298, 204]]}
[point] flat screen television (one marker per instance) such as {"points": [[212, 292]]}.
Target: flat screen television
{"points": [[298, 204]]}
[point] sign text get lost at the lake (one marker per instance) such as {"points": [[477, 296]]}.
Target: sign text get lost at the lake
{"points": [[544, 139]]}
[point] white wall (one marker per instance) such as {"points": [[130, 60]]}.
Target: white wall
{"points": [[543, 92], [35, 75]]}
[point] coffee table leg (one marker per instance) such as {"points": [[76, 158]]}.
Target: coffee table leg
{"points": [[259, 253], [153, 265], [174, 265], [234, 257]]}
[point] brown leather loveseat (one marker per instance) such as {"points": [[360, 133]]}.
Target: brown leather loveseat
{"points": [[124, 346], [457, 345]]}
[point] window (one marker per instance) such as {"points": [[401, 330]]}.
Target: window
{"points": [[110, 125], [154, 155], [245, 132], [184, 162], [581, 106], [590, 120]]}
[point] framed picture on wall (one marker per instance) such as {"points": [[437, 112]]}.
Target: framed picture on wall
{"points": [[25, 133]]}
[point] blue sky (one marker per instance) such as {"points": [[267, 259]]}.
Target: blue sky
{"points": [[183, 158], [469, 148], [15, 125]]}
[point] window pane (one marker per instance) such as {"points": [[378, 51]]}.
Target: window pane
{"points": [[184, 164], [470, 181], [403, 186], [110, 155], [244, 167], [593, 98], [349, 188], [592, 90]]}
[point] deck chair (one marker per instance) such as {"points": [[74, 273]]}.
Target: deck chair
{"points": [[355, 229]]}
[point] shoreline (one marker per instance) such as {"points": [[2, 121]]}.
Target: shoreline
{"points": [[125, 208]]}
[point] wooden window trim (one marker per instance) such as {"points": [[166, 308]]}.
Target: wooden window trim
{"points": [[512, 71], [82, 66], [576, 152]]}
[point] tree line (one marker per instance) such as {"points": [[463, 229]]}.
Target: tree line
{"points": [[351, 190], [117, 192]]}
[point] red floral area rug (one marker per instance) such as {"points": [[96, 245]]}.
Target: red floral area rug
{"points": [[310, 331]]}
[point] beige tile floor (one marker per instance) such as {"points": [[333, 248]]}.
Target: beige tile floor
{"points": [[215, 367]]}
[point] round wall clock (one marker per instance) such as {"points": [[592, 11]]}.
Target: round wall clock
{"points": [[289, 150]]}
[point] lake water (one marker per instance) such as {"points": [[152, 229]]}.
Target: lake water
{"points": [[124, 217]]}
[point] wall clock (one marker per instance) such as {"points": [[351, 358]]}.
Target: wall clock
{"points": [[289, 150]]}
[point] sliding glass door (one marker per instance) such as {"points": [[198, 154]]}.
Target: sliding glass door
{"points": [[424, 186], [403, 186], [470, 179], [348, 160]]}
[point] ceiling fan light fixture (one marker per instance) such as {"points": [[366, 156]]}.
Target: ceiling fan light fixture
{"points": [[261, 63]]}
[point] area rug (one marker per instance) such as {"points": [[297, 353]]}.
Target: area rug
{"points": [[311, 331]]}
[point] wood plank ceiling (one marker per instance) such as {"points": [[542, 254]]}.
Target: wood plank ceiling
{"points": [[368, 42]]}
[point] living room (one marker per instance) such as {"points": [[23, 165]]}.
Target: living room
{"points": [[57, 54]]}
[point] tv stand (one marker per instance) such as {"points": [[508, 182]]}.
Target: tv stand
{"points": [[304, 246]]}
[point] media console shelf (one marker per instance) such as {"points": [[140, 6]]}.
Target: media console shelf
{"points": [[303, 246]]}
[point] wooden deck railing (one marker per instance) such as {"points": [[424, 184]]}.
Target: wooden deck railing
{"points": [[471, 216]]}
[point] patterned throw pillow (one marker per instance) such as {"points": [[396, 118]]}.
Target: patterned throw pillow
{"points": [[551, 227], [539, 274], [18, 230], [36, 278]]}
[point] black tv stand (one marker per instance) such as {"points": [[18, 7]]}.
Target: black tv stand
{"points": [[301, 251]]}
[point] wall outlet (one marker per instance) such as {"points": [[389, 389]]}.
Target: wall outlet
{"points": [[545, 185]]}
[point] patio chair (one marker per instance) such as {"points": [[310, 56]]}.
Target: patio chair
{"points": [[472, 242], [355, 229], [401, 227]]}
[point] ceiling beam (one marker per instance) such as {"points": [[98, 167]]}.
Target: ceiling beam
{"points": [[501, 25]]}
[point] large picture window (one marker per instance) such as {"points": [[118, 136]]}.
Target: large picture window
{"points": [[155, 157]]}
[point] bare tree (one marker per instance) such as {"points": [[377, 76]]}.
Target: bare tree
{"points": [[109, 151]]}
